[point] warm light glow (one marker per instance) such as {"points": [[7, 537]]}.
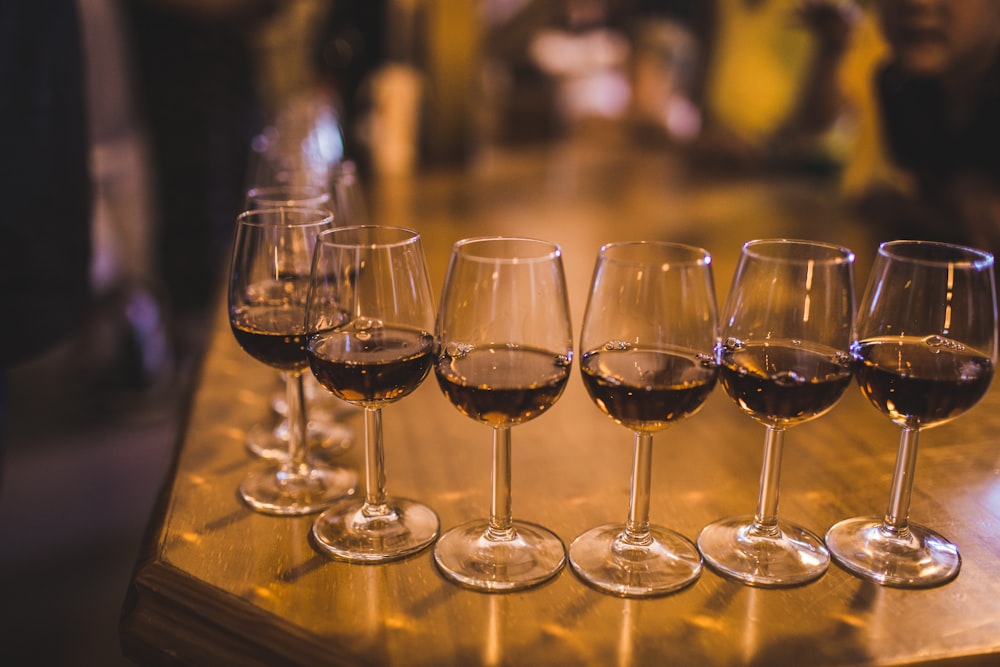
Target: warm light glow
{"points": [[949, 296], [809, 281]]}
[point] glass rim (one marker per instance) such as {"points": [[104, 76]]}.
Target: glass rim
{"points": [[697, 256], [312, 190], [463, 248], [839, 254], [404, 236], [275, 217], [965, 256]]}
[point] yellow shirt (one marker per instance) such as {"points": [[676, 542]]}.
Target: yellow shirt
{"points": [[759, 60]]}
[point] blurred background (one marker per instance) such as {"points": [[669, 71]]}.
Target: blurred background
{"points": [[182, 105]]}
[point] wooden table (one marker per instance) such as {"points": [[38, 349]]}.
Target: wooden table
{"points": [[220, 584]]}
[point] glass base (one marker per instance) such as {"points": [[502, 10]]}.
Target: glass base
{"points": [[919, 558], [531, 556], [604, 560], [326, 440], [275, 491], [736, 550], [353, 531]]}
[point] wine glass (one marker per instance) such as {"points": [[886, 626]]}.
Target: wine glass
{"points": [[925, 352], [289, 196], [326, 438], [268, 283], [650, 332], [370, 320], [348, 194], [302, 140], [787, 328], [505, 352]]}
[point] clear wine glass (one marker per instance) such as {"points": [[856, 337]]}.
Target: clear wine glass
{"points": [[268, 283], [505, 352], [326, 438], [650, 332], [289, 196], [925, 352], [302, 140], [370, 320], [348, 194], [787, 328]]}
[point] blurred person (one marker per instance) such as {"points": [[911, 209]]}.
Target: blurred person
{"points": [[44, 182], [770, 95], [194, 80], [126, 349], [351, 45], [937, 94], [163, 131]]}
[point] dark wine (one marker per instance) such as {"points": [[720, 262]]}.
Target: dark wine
{"points": [[274, 335], [782, 382], [370, 365], [921, 381], [644, 389], [502, 386]]}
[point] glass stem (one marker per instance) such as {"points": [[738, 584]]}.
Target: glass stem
{"points": [[637, 527], [375, 504], [296, 416], [765, 521], [501, 527], [897, 514]]}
